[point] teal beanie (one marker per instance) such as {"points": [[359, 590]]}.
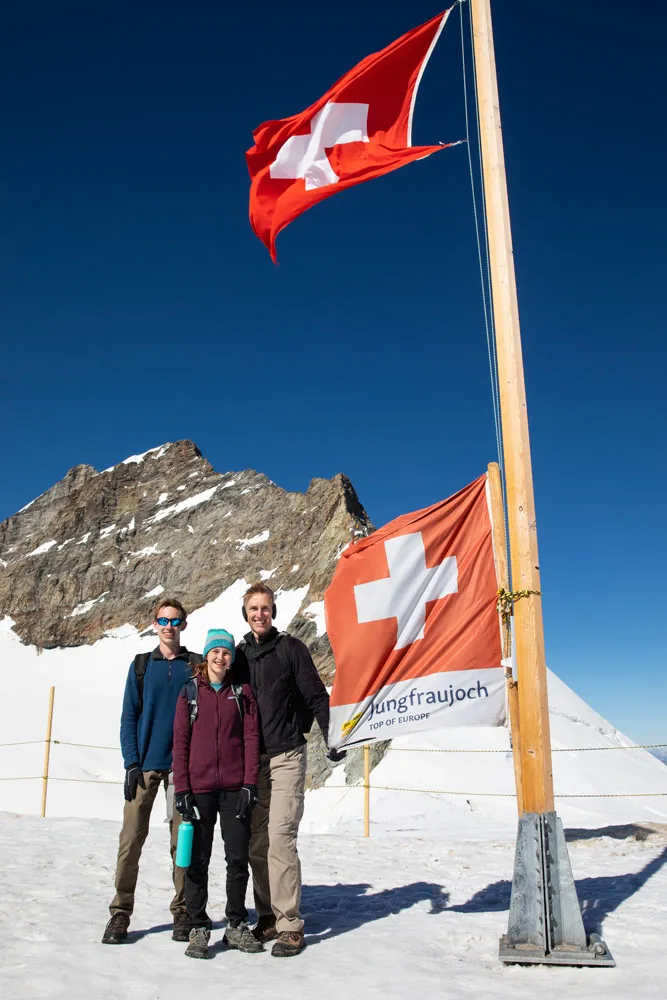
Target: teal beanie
{"points": [[219, 637]]}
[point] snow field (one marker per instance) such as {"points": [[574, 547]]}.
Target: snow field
{"points": [[389, 917], [90, 680]]}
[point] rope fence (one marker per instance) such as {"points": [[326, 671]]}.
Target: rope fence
{"points": [[633, 746], [364, 783]]}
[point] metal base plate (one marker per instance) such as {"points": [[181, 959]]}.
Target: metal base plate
{"points": [[527, 955], [545, 923]]}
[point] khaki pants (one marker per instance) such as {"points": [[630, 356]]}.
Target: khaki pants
{"points": [[276, 869], [136, 819]]}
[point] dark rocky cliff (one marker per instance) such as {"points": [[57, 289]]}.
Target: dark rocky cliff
{"points": [[95, 550]]}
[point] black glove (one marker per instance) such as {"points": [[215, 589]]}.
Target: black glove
{"points": [[248, 798], [133, 776], [336, 755], [185, 804]]}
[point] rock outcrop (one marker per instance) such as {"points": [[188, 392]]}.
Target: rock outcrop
{"points": [[97, 549]]}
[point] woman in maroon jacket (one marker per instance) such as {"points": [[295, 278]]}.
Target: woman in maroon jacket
{"points": [[215, 765]]}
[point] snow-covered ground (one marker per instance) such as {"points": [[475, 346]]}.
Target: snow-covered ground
{"points": [[388, 917]]}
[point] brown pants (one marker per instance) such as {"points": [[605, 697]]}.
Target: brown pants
{"points": [[136, 819], [276, 869]]}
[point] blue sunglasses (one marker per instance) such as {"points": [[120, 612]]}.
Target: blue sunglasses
{"points": [[174, 622]]}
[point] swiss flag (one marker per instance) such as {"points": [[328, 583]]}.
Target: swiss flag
{"points": [[361, 128], [412, 620]]}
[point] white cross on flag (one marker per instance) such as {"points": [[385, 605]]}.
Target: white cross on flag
{"points": [[361, 128], [411, 616]]}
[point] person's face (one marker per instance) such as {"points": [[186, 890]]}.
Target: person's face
{"points": [[218, 661], [169, 633], [259, 609]]}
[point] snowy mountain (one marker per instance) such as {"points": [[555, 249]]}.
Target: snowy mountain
{"points": [[81, 568], [89, 681]]}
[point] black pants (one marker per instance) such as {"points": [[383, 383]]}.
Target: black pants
{"points": [[236, 838]]}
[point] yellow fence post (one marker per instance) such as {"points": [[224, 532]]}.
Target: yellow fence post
{"points": [[367, 790], [47, 751]]}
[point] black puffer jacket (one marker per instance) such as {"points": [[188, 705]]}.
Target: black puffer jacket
{"points": [[278, 689]]}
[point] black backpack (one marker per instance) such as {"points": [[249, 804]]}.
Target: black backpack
{"points": [[140, 665], [305, 716]]}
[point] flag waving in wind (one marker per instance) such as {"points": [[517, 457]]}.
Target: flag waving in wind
{"points": [[361, 128], [411, 616]]}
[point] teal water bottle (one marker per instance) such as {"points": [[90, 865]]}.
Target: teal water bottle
{"points": [[186, 832]]}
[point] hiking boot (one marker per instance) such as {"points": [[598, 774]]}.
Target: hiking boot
{"points": [[182, 925], [115, 931], [288, 943], [242, 937], [265, 929], [198, 947]]}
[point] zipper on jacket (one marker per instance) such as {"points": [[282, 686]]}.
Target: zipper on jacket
{"points": [[217, 737]]}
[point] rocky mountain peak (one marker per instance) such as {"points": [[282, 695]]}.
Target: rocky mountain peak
{"points": [[97, 549]]}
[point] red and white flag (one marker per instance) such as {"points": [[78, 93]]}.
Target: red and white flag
{"points": [[361, 128], [411, 616]]}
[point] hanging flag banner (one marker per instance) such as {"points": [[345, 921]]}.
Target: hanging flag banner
{"points": [[412, 620], [361, 128]]}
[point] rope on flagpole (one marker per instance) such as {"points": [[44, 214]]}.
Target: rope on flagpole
{"points": [[507, 599], [485, 280]]}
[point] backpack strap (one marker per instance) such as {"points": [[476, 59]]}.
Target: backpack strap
{"points": [[190, 692], [237, 691], [306, 717], [140, 666], [283, 654]]}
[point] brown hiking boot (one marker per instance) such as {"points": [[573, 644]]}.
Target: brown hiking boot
{"points": [[288, 943], [242, 937], [115, 931], [199, 939], [182, 925], [265, 929]]}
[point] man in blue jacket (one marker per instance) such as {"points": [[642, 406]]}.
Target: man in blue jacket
{"points": [[146, 737]]}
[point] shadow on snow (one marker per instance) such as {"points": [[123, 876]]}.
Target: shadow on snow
{"points": [[330, 910], [598, 897]]}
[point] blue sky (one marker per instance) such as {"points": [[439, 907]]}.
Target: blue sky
{"points": [[137, 307]]}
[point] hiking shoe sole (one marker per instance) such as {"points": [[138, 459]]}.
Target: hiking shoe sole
{"points": [[281, 950]]}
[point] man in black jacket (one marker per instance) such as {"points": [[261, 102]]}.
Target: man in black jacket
{"points": [[289, 694]]}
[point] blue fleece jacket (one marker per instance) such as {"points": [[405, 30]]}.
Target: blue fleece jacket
{"points": [[147, 736]]}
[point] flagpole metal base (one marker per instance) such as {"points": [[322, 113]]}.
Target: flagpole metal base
{"points": [[545, 923]]}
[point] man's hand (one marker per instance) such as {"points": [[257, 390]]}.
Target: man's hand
{"points": [[133, 776], [336, 755], [185, 804], [248, 798]]}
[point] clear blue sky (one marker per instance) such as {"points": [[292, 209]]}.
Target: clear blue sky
{"points": [[136, 306]]}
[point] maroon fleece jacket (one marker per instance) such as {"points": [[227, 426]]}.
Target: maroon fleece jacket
{"points": [[218, 750]]}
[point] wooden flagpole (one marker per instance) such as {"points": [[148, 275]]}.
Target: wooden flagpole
{"points": [[500, 552], [545, 924], [538, 796]]}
